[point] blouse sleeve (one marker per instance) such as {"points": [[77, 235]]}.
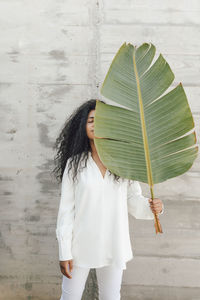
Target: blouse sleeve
{"points": [[138, 205], [65, 218]]}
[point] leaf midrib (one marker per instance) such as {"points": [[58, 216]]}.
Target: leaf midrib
{"points": [[143, 125]]}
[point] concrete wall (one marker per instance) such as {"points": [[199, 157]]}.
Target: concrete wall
{"points": [[54, 55]]}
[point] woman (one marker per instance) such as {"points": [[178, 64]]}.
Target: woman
{"points": [[92, 223]]}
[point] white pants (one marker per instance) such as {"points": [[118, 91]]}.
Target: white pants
{"points": [[109, 280]]}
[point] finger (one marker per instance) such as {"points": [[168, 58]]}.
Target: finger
{"points": [[156, 203], [151, 206], [71, 265], [65, 272], [155, 209], [156, 206], [156, 200]]}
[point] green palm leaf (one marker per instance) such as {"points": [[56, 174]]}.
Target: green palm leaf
{"points": [[150, 138], [144, 141]]}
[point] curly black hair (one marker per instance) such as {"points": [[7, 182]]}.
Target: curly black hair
{"points": [[73, 142]]}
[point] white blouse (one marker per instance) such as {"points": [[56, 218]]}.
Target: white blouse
{"points": [[92, 223]]}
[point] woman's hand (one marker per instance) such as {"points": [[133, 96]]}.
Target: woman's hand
{"points": [[64, 267], [156, 205]]}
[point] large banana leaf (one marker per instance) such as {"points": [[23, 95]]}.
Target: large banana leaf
{"points": [[146, 139]]}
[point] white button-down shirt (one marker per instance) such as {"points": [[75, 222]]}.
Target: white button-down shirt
{"points": [[92, 223]]}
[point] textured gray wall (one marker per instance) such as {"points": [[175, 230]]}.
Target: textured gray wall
{"points": [[54, 55]]}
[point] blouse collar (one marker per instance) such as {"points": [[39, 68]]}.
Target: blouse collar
{"points": [[94, 163]]}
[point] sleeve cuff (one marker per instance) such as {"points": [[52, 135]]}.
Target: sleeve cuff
{"points": [[64, 248], [143, 209]]}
